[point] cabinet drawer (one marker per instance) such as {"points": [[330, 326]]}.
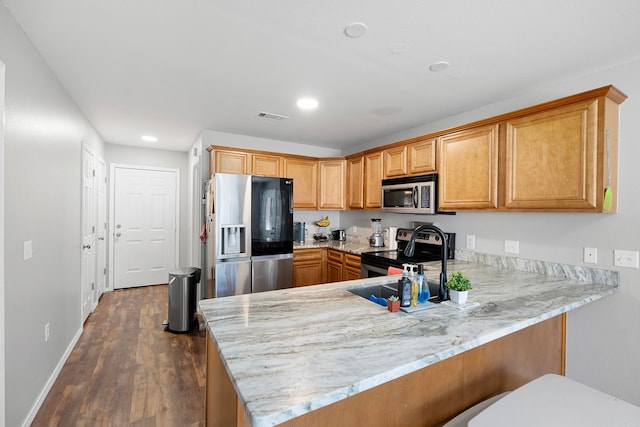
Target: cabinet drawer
{"points": [[334, 256], [352, 261], [304, 255]]}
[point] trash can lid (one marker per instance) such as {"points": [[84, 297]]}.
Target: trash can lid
{"points": [[185, 272]]}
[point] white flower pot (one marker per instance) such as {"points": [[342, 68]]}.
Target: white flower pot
{"points": [[459, 297]]}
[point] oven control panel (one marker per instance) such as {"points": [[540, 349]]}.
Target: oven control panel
{"points": [[427, 237]]}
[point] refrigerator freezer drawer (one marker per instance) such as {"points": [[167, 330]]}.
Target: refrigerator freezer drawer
{"points": [[272, 272], [232, 277]]}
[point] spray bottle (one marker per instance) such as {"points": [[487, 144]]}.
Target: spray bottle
{"points": [[423, 284], [404, 287]]}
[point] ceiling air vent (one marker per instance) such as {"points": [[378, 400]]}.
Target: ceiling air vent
{"points": [[271, 116]]}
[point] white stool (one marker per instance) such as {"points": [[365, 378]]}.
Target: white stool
{"points": [[553, 400], [462, 419]]}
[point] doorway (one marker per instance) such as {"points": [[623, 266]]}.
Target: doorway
{"points": [[144, 225], [88, 266]]}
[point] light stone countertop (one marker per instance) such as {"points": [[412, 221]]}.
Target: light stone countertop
{"points": [[292, 351], [352, 245]]}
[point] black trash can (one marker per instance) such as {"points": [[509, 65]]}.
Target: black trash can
{"points": [[183, 284]]}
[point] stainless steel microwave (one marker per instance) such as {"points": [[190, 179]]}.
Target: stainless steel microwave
{"points": [[412, 194]]}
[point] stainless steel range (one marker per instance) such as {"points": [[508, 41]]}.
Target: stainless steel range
{"points": [[428, 248]]}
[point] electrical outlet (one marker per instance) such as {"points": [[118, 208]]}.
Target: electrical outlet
{"points": [[471, 241], [625, 258], [27, 250], [512, 246], [590, 255], [47, 332]]}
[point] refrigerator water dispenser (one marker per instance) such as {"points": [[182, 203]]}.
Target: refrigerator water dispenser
{"points": [[233, 237]]}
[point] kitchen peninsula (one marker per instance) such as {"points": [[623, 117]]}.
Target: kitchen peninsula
{"points": [[321, 355]]}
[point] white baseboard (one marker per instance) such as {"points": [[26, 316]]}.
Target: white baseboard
{"points": [[51, 381]]}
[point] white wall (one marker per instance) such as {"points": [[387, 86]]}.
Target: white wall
{"points": [[210, 137], [124, 154], [603, 348], [43, 135]]}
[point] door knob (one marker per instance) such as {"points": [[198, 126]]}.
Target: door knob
{"points": [[118, 234], [86, 246]]}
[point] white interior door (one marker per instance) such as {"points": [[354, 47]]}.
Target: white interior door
{"points": [[88, 271], [145, 226], [101, 243]]}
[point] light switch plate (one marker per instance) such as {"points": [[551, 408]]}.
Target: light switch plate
{"points": [[626, 258], [471, 241], [28, 249], [512, 246], [590, 255]]}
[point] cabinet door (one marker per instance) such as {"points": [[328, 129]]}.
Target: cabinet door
{"points": [[422, 157], [468, 169], [307, 273], [395, 162], [551, 159], [332, 184], [351, 267], [266, 165], [305, 181], [309, 267], [373, 180], [230, 162], [334, 265], [355, 175]]}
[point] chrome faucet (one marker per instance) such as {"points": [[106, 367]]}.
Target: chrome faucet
{"points": [[443, 292]]}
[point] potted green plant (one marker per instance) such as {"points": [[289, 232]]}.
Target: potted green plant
{"points": [[393, 303], [459, 286]]}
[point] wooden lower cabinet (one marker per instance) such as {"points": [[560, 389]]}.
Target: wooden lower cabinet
{"points": [[342, 266], [335, 269], [427, 397], [309, 267], [351, 269]]}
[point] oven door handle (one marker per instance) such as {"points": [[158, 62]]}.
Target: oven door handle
{"points": [[415, 196]]}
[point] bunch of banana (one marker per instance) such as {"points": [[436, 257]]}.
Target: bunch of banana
{"points": [[324, 222]]}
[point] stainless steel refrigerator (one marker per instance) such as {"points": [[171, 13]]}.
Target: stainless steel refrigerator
{"points": [[249, 239]]}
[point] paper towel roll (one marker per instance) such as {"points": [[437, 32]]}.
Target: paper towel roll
{"points": [[391, 235]]}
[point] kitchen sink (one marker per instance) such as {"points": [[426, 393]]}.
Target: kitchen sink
{"points": [[385, 291], [379, 291]]}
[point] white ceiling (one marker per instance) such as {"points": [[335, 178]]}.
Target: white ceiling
{"points": [[175, 67]]}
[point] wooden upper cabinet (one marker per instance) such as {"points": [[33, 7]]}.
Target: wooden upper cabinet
{"points": [[422, 157], [395, 161], [305, 181], [332, 191], [267, 165], [355, 182], [552, 159], [225, 161], [468, 169], [373, 180]]}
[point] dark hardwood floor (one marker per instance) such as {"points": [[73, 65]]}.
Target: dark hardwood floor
{"points": [[126, 370]]}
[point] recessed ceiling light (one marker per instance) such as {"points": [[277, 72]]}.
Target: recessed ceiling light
{"points": [[307, 104], [355, 30], [439, 66], [149, 138]]}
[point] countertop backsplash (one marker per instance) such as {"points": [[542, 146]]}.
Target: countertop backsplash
{"points": [[549, 268]]}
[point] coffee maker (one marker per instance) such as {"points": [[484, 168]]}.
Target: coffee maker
{"points": [[376, 240]]}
